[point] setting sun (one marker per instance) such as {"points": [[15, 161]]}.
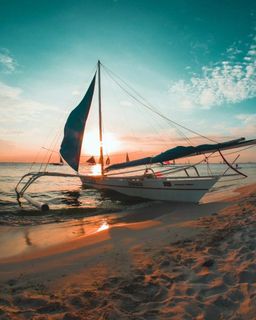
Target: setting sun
{"points": [[91, 144]]}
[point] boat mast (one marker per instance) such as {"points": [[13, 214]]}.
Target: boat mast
{"points": [[100, 122]]}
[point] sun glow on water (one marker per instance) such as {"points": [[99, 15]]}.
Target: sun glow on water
{"points": [[96, 169], [104, 226]]}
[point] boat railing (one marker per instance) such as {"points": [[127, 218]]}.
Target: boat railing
{"points": [[171, 171]]}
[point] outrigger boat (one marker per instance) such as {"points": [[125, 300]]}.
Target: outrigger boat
{"points": [[169, 183]]}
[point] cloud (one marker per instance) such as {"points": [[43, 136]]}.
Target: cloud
{"points": [[247, 126], [9, 92], [7, 63], [12, 99], [13, 106], [18, 113], [247, 118], [229, 81], [125, 103]]}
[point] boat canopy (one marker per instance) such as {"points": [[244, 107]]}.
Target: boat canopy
{"points": [[70, 149], [181, 152]]}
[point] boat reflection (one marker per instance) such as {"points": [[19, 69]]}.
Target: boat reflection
{"points": [[27, 238], [71, 198]]}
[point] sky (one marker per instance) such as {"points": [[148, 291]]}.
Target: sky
{"points": [[194, 61]]}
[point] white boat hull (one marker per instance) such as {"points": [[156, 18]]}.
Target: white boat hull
{"points": [[164, 189]]}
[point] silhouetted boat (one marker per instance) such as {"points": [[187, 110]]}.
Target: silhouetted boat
{"points": [[60, 163], [91, 161]]}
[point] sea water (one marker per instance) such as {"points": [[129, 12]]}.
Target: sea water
{"points": [[67, 193], [58, 192]]}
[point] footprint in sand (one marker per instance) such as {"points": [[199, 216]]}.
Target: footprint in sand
{"points": [[229, 279], [76, 301], [29, 302], [52, 307], [211, 312], [213, 290], [190, 291], [235, 295], [110, 283], [71, 316], [127, 303], [166, 280], [204, 278], [225, 304], [247, 277], [86, 300]]}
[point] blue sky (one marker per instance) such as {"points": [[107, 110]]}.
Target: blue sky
{"points": [[194, 60]]}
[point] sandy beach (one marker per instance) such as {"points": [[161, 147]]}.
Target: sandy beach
{"points": [[165, 261]]}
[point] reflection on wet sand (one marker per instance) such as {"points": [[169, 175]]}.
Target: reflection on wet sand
{"points": [[80, 228], [27, 238], [16, 241]]}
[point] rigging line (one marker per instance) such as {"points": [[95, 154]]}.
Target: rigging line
{"points": [[43, 156], [155, 124], [50, 150], [131, 88], [155, 110], [57, 138], [226, 154], [52, 147], [150, 108], [34, 161]]}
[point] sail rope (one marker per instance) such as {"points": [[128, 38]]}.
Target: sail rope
{"points": [[147, 105]]}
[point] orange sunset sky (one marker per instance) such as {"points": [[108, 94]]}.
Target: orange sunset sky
{"points": [[198, 73]]}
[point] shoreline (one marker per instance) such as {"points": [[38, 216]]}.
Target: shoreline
{"points": [[159, 262], [18, 240]]}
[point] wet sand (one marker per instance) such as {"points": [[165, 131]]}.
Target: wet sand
{"points": [[163, 261]]}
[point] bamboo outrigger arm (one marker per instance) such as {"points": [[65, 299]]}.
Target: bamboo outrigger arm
{"points": [[32, 177], [230, 165]]}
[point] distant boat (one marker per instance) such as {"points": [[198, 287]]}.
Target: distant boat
{"points": [[127, 157], [144, 181], [91, 161], [60, 163], [237, 166], [107, 161]]}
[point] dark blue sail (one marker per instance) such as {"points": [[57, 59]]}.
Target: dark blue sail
{"points": [[70, 149]]}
